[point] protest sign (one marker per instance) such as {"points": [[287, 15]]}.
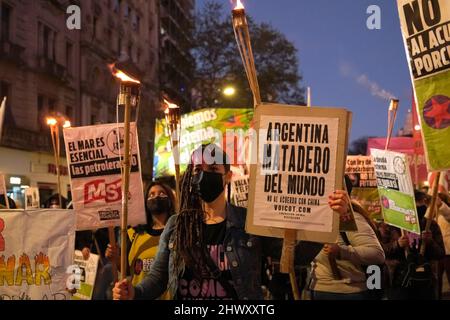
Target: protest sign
{"points": [[407, 146], [239, 190], [396, 190], [426, 32], [32, 198], [94, 156], [197, 128], [362, 174], [300, 162], [36, 249], [88, 273]]}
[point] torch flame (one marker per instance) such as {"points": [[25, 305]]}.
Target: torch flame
{"points": [[51, 121], [170, 105], [122, 75], [239, 5]]}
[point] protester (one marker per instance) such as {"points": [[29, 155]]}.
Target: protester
{"points": [[351, 253], [143, 240], [53, 202], [413, 275], [204, 252], [12, 203]]}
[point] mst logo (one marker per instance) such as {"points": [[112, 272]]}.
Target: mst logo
{"points": [[99, 190]]}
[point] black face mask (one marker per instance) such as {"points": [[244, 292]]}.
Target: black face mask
{"points": [[157, 206], [421, 211], [210, 186]]}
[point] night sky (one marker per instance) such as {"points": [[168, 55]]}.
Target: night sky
{"points": [[336, 49]]}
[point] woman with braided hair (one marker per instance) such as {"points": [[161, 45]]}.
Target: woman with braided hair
{"points": [[204, 252]]}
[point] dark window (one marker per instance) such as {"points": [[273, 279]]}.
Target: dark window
{"points": [[5, 88], [134, 22], [69, 59], [6, 22], [95, 27], [41, 111], [48, 37], [46, 42], [110, 38], [116, 5], [69, 113], [51, 105]]}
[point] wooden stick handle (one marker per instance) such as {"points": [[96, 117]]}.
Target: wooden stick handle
{"points": [[431, 209], [125, 186], [112, 241], [334, 268], [287, 263]]}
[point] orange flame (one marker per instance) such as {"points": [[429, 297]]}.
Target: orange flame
{"points": [[122, 75], [170, 106], [239, 5]]}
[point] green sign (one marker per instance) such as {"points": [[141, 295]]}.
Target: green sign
{"points": [[396, 190], [361, 172], [426, 32], [197, 128]]}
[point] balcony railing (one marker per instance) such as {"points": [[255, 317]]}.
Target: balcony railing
{"points": [[11, 51], [53, 69], [23, 139]]}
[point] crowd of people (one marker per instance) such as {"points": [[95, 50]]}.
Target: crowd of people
{"points": [[204, 251]]}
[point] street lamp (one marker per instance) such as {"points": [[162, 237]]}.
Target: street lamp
{"points": [[54, 122], [229, 91]]}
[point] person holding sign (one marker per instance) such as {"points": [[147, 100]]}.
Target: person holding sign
{"points": [[352, 251], [143, 240], [413, 275], [204, 252]]}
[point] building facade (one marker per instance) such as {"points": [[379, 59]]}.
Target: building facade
{"points": [[176, 61], [46, 68]]}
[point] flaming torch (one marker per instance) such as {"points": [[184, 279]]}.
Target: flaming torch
{"points": [[54, 122], [128, 97], [173, 122], [392, 115], [242, 34]]}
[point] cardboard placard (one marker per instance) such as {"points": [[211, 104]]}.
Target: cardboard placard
{"points": [[361, 172], [396, 190], [88, 275], [32, 198], [94, 158], [297, 161]]}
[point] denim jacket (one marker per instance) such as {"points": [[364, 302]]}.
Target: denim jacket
{"points": [[243, 251]]}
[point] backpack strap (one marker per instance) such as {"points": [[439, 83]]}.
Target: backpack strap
{"points": [[345, 238], [219, 276]]}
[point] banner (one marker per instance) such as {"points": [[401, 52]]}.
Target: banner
{"points": [[88, 273], [426, 32], [200, 127], [36, 249], [94, 156], [396, 190], [32, 198], [362, 174], [300, 162]]}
